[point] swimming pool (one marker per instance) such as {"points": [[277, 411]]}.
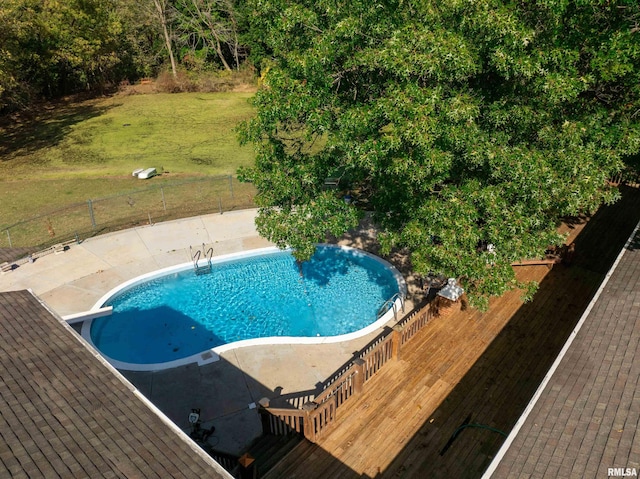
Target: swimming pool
{"points": [[174, 316]]}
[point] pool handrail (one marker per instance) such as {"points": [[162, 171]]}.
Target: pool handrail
{"points": [[207, 254], [391, 304]]}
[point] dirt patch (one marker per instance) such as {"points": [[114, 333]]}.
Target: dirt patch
{"points": [[245, 88], [139, 89], [148, 88]]}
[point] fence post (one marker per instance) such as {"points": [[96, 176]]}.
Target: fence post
{"points": [[359, 375], [93, 219], [220, 204], [164, 203], [9, 236], [231, 185], [396, 337], [309, 421]]}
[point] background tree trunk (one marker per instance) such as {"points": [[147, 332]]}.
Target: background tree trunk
{"points": [[161, 8]]}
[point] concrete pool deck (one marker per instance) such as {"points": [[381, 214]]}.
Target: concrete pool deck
{"points": [[73, 281]]}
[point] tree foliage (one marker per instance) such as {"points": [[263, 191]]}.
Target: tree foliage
{"points": [[469, 128], [56, 46], [162, 12], [53, 47], [210, 26]]}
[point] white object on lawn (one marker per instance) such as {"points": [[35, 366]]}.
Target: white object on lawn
{"points": [[148, 173]]}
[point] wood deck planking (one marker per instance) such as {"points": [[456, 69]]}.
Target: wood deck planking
{"points": [[422, 379], [496, 408], [577, 425], [402, 397]]}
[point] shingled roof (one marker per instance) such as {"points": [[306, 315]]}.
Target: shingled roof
{"points": [[64, 412], [585, 421]]}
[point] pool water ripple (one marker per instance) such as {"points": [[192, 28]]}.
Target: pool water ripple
{"points": [[337, 292]]}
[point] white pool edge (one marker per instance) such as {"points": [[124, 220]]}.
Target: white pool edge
{"points": [[212, 355]]}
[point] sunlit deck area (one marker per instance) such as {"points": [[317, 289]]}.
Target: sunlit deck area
{"points": [[445, 406]]}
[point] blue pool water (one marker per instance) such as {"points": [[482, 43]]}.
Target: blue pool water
{"points": [[339, 291]]}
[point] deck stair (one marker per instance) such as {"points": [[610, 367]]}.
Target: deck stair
{"points": [[296, 457], [270, 449], [228, 461]]}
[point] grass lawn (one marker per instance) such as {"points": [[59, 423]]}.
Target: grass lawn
{"points": [[69, 152]]}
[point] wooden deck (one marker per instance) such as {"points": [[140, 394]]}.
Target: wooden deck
{"points": [[468, 367]]}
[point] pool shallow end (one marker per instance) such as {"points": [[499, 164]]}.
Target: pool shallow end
{"points": [[212, 355]]}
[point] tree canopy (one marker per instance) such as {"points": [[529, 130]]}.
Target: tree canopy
{"points": [[52, 47], [468, 128]]}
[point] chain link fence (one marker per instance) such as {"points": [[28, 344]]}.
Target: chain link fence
{"points": [[146, 206]]}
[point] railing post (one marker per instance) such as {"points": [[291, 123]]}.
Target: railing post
{"points": [[359, 375], [265, 419], [309, 409], [396, 337], [248, 468]]}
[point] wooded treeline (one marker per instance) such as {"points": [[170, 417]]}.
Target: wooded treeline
{"points": [[50, 48]]}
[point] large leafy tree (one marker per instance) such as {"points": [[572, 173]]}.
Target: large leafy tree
{"points": [[11, 30], [55, 47], [469, 127]]}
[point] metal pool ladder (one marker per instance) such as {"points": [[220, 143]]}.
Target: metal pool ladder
{"points": [[198, 256], [391, 303]]}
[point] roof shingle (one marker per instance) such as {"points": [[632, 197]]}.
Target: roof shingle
{"points": [[65, 413], [587, 418]]}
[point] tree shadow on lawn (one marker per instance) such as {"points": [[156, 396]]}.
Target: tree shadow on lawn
{"points": [[43, 127]]}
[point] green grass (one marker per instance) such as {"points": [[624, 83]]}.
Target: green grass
{"points": [[154, 202], [73, 151]]}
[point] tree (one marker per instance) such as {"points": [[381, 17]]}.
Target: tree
{"points": [[11, 31], [52, 48], [162, 10], [142, 44], [210, 24], [468, 128]]}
